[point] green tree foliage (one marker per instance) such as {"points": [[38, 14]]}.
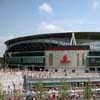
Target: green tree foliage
{"points": [[39, 90], [18, 94], [64, 91], [1, 95], [88, 91]]}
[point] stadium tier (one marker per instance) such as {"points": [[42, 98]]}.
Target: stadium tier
{"points": [[69, 51]]}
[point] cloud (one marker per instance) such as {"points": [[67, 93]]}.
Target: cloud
{"points": [[45, 8], [68, 25], [96, 4], [69, 21], [47, 27]]}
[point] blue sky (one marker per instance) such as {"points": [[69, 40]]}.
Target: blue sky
{"points": [[27, 17]]}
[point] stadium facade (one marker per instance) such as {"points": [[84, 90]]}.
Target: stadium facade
{"points": [[69, 51]]}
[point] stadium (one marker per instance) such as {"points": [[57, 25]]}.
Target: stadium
{"points": [[51, 58], [69, 51]]}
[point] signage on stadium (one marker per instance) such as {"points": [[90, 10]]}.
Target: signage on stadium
{"points": [[65, 59]]}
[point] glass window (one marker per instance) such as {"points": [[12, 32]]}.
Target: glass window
{"points": [[93, 61], [94, 53], [50, 59]]}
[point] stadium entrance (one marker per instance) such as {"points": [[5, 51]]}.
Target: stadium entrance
{"points": [[36, 68]]}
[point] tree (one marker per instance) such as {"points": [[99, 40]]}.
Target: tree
{"points": [[39, 89], [88, 91], [1, 95], [18, 94], [64, 91]]}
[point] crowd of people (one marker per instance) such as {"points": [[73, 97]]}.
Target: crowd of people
{"points": [[50, 94], [32, 94]]}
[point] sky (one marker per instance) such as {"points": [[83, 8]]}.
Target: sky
{"points": [[29, 17]]}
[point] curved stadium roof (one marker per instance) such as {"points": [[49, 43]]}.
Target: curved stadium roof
{"points": [[78, 35]]}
